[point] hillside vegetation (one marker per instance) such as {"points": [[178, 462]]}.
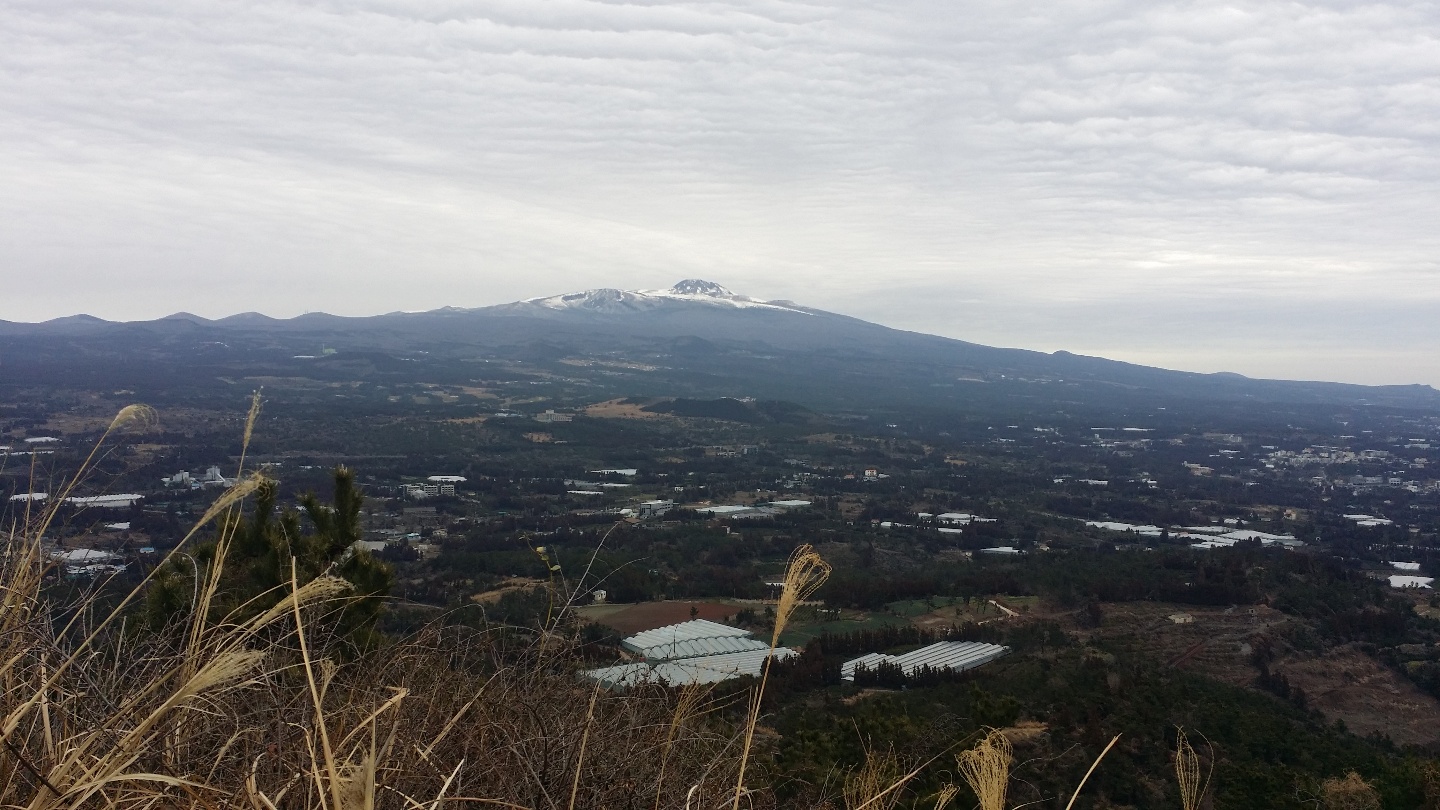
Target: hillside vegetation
{"points": [[248, 669]]}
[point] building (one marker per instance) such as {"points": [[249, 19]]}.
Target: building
{"points": [[728, 511], [693, 652], [420, 492], [690, 671], [652, 509], [690, 639], [735, 511], [88, 562], [185, 480], [106, 501], [953, 518], [956, 656], [1370, 520], [1144, 530], [1230, 538]]}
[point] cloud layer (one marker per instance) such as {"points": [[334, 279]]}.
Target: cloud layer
{"points": [[1198, 185]]}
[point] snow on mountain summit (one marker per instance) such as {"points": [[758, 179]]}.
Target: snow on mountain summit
{"points": [[608, 301], [697, 286]]}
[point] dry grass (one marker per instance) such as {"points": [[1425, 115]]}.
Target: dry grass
{"points": [[986, 769], [688, 706], [875, 783], [620, 409], [804, 574], [265, 713], [946, 795], [1350, 793], [262, 715], [1187, 772]]}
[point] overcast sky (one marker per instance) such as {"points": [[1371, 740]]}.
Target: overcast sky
{"points": [[1197, 185]]}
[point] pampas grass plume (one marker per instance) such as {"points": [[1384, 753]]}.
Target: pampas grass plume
{"points": [[986, 769], [141, 417], [1187, 772]]}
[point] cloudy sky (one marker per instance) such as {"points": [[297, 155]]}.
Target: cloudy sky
{"points": [[1198, 185]]}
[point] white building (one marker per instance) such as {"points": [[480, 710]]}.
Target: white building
{"points": [[729, 510], [1144, 530], [420, 492], [106, 501], [956, 656], [694, 652]]}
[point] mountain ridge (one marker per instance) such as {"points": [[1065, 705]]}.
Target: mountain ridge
{"points": [[696, 330]]}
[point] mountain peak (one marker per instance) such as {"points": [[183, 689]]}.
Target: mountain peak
{"points": [[691, 292], [697, 286]]}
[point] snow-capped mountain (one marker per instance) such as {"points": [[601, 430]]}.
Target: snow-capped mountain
{"points": [[696, 338], [691, 291]]}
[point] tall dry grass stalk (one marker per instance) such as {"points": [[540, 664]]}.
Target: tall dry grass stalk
{"points": [[128, 418], [947, 794], [874, 784], [1187, 772], [250, 418], [1086, 777], [689, 699], [805, 572], [986, 769]]}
